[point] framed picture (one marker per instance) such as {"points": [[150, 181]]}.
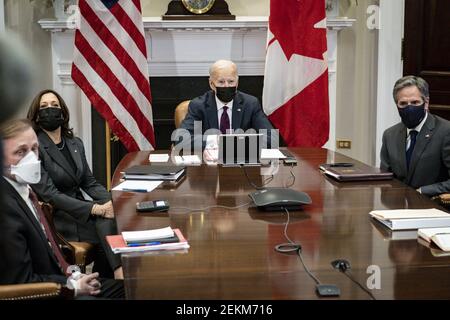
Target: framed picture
{"points": [[198, 6]]}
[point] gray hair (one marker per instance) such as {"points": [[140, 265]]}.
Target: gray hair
{"points": [[222, 64], [409, 81]]}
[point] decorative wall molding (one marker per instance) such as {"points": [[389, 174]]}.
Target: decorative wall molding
{"points": [[185, 48], [243, 23], [2, 16]]}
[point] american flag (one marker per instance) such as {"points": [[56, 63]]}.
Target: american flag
{"points": [[110, 67]]}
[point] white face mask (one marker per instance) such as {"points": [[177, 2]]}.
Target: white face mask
{"points": [[27, 170]]}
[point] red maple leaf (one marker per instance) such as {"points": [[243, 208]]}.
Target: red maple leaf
{"points": [[292, 23]]}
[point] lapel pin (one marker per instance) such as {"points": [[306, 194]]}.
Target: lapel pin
{"points": [[427, 135]]}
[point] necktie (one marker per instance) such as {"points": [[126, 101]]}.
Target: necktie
{"points": [[49, 233], [224, 121], [413, 136]]}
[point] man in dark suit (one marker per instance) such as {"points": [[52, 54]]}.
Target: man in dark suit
{"points": [[417, 150], [223, 109], [28, 251]]}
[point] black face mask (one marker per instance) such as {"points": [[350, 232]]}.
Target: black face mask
{"points": [[225, 94], [412, 115], [50, 118]]}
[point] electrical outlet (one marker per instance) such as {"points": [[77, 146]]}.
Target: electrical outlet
{"points": [[343, 144]]}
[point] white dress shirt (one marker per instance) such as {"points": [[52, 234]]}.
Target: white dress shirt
{"points": [[220, 106], [417, 128], [24, 191]]}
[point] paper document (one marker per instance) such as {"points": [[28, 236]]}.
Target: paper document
{"points": [[157, 157], [138, 185], [271, 154], [428, 233], [408, 214], [130, 236], [118, 244], [189, 159], [404, 219], [439, 236], [442, 240]]}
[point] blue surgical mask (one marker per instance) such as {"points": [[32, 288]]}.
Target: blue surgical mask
{"points": [[412, 115]]}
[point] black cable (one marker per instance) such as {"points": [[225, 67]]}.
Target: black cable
{"points": [[293, 177], [306, 268], [210, 207], [266, 181], [346, 272], [344, 266], [291, 247]]}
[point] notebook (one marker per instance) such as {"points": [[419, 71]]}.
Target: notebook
{"points": [[355, 172], [155, 172], [404, 219], [240, 149]]}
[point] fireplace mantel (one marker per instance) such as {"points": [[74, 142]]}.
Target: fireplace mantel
{"points": [[184, 48]]}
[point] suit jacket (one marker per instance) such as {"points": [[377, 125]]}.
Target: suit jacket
{"points": [[25, 253], [246, 113], [430, 162], [60, 186]]}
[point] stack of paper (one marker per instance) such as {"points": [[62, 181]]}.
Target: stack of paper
{"points": [[133, 244], [137, 185], [158, 157], [272, 154], [439, 236], [188, 160], [403, 219], [147, 235]]}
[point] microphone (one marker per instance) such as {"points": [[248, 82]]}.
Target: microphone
{"points": [[344, 266]]}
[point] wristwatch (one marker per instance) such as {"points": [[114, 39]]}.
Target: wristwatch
{"points": [[198, 6]]}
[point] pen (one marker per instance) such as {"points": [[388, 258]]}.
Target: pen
{"points": [[134, 190], [143, 244]]}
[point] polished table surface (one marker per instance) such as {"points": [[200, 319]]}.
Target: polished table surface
{"points": [[232, 256]]}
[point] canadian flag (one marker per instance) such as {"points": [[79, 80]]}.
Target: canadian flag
{"points": [[295, 95]]}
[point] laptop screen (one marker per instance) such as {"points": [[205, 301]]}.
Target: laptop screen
{"points": [[240, 149]]}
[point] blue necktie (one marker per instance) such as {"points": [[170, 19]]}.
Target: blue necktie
{"points": [[413, 136]]}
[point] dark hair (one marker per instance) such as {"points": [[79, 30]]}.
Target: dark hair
{"points": [[409, 81], [33, 113]]}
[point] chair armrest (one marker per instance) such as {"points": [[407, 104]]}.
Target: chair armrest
{"points": [[27, 291]]}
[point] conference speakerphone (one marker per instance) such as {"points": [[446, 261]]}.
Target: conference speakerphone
{"points": [[279, 199]]}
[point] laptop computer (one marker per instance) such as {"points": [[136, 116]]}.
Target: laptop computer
{"points": [[240, 149]]}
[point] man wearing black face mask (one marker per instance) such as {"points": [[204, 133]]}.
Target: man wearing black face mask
{"points": [[417, 150], [224, 107]]}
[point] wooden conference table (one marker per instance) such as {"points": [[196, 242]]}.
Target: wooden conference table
{"points": [[232, 252]]}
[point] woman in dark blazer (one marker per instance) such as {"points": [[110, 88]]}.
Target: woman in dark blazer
{"points": [[64, 173]]}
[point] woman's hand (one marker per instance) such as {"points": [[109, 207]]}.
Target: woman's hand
{"points": [[109, 210], [103, 210]]}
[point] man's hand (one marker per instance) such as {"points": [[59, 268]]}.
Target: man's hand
{"points": [[211, 155], [88, 285]]}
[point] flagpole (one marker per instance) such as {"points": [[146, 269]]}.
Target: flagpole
{"points": [[108, 156]]}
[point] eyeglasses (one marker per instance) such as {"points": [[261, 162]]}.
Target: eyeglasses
{"points": [[414, 103]]}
